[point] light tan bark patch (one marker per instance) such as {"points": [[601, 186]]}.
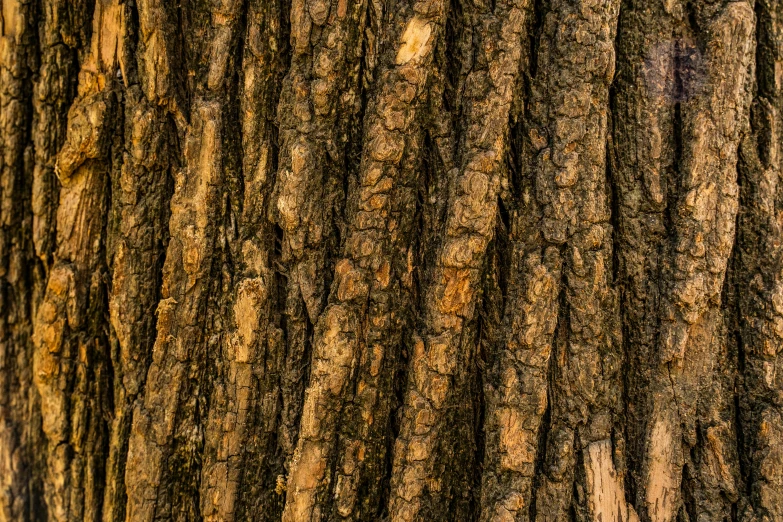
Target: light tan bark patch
{"points": [[606, 493], [415, 41], [663, 479]]}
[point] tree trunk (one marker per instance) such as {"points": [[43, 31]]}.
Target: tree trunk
{"points": [[404, 260]]}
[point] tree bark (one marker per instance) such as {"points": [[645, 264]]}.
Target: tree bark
{"points": [[405, 260]]}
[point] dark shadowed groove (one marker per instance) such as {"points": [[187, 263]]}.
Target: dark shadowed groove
{"points": [[136, 242], [19, 272], [760, 280]]}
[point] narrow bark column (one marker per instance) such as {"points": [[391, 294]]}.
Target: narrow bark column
{"points": [[561, 234], [644, 174], [442, 352], [238, 479], [686, 389], [321, 96], [760, 277], [140, 195], [516, 385], [162, 473], [359, 322], [17, 432], [70, 345], [571, 103], [380, 250]]}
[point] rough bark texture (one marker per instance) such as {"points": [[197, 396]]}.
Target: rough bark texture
{"points": [[405, 260]]}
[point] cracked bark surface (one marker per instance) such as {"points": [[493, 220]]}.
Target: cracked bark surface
{"points": [[359, 260], [17, 432]]}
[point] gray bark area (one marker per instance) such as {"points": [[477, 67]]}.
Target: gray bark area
{"points": [[404, 260]]}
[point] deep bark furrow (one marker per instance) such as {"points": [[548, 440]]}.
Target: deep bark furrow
{"points": [[17, 434], [136, 244], [443, 349], [760, 279]]}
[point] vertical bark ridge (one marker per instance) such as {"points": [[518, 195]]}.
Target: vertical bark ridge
{"points": [[644, 155], [516, 384], [443, 351], [360, 324], [161, 57], [69, 362], [760, 279], [62, 35], [321, 95], [137, 238], [687, 418], [571, 103], [364, 434], [244, 406], [166, 439], [17, 432]]}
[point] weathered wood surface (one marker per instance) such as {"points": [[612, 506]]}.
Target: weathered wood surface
{"points": [[405, 260]]}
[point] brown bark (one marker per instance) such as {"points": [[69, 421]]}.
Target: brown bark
{"points": [[321, 260]]}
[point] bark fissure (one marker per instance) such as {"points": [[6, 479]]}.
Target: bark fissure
{"points": [[332, 260]]}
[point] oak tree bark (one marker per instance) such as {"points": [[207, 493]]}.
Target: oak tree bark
{"points": [[405, 260]]}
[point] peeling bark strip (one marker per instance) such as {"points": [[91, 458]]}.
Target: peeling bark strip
{"points": [[582, 450], [648, 89], [561, 235], [359, 260], [138, 249], [64, 32]]}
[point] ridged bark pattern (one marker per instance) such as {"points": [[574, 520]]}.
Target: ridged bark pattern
{"points": [[404, 260]]}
